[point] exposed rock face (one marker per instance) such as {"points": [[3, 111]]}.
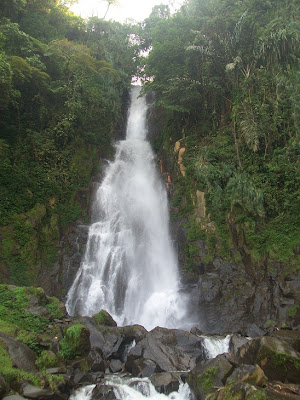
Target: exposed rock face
{"points": [[226, 299], [73, 247]]}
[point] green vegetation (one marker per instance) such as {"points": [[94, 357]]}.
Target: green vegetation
{"points": [[13, 303], [13, 375], [205, 382], [47, 359], [104, 318], [62, 89], [75, 342], [226, 78]]}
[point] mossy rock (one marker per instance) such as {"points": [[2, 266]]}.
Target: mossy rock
{"points": [[241, 390], [104, 318], [277, 359], [76, 342], [209, 374], [27, 308], [47, 359]]}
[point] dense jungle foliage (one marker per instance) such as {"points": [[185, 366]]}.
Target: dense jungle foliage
{"points": [[226, 78], [63, 81], [226, 75]]}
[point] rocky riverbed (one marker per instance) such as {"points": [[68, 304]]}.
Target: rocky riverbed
{"points": [[46, 354]]}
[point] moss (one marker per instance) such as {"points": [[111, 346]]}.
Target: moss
{"points": [[7, 327], [270, 323], [31, 340], [205, 382], [13, 302], [293, 311], [47, 359], [54, 381], [279, 359], [55, 307], [13, 375], [104, 318], [75, 343], [236, 392]]}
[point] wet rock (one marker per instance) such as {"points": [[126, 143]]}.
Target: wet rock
{"points": [[277, 358], [114, 342], [209, 374], [14, 397], [98, 365], [165, 382], [103, 392], [84, 378], [134, 332], [249, 374], [254, 331], [142, 368], [3, 386], [21, 355], [33, 392], [115, 365], [236, 341], [108, 339], [170, 349]]}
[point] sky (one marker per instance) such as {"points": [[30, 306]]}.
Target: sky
{"points": [[137, 10]]}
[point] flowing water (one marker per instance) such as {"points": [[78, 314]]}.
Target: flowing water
{"points": [[130, 268], [134, 389]]}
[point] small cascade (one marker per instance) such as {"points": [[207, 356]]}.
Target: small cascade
{"points": [[215, 345], [134, 389], [130, 268]]}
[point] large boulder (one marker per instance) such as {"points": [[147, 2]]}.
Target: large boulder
{"points": [[252, 374], [104, 318], [33, 392], [165, 382], [278, 359], [142, 367], [75, 343], [289, 336], [21, 355], [170, 349], [114, 342], [209, 375]]}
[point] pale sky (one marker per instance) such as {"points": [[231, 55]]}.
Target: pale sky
{"points": [[127, 9]]}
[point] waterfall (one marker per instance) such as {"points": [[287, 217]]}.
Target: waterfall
{"points": [[130, 268]]}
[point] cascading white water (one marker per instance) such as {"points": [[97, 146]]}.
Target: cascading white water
{"points": [[215, 345], [129, 268], [134, 389]]}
